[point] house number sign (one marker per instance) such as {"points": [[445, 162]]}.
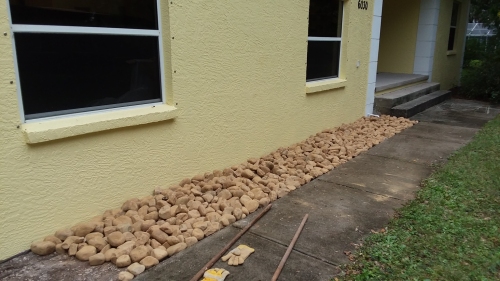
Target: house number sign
{"points": [[362, 5]]}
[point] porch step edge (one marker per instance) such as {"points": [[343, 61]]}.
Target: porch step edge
{"points": [[402, 83], [420, 104], [385, 102]]}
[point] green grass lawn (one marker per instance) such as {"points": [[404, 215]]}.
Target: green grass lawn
{"points": [[451, 231]]}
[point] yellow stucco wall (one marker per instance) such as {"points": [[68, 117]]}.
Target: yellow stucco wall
{"points": [[398, 36], [446, 67], [239, 86]]}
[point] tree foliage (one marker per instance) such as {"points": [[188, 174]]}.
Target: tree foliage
{"points": [[481, 73]]}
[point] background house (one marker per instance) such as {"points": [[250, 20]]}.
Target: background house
{"points": [[103, 101]]}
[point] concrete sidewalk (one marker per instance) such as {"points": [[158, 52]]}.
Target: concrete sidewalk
{"points": [[344, 205]]}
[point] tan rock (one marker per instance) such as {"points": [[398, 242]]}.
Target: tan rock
{"points": [[53, 239], [159, 235], [225, 194], [98, 242], [129, 236], [62, 234], [127, 247], [151, 216], [229, 217], [154, 243], [116, 238], [172, 240], [212, 228], [124, 227], [207, 197], [190, 241], [83, 229], [198, 233], [105, 248], [244, 199], [109, 229], [123, 261], [251, 205], [73, 248], [59, 249], [164, 212], [202, 225], [142, 237], [86, 252], [136, 268], [97, 259], [125, 276], [70, 240], [264, 201], [149, 261], [139, 253], [237, 213], [160, 253], [172, 250], [121, 220], [130, 205], [91, 235], [247, 173], [43, 248], [147, 224], [194, 214]]}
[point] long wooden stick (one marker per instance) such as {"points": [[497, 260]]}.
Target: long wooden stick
{"points": [[217, 257], [289, 249]]}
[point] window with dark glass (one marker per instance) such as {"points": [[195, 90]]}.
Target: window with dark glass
{"points": [[453, 25], [84, 55], [324, 39]]}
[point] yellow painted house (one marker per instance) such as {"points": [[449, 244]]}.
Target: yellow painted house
{"points": [[102, 101]]}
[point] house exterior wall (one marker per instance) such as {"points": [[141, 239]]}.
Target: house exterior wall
{"points": [[236, 73], [447, 64], [398, 36]]}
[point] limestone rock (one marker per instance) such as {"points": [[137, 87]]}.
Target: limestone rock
{"points": [[125, 276], [98, 242], [83, 229], [97, 259], [212, 228], [123, 261], [159, 235], [53, 239], [251, 205], [70, 240], [116, 238], [73, 248], [86, 252], [136, 268], [190, 241], [159, 253], [139, 253], [62, 234], [43, 248], [149, 261], [172, 250], [198, 233], [127, 247], [121, 220]]}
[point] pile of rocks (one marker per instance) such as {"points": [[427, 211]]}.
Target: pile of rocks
{"points": [[145, 231]]}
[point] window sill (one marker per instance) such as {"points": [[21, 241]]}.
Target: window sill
{"points": [[451, 53], [324, 85], [48, 130]]}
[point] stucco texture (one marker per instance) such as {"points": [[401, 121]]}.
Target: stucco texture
{"points": [[398, 36], [447, 65], [236, 72]]}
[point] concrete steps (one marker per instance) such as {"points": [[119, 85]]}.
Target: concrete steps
{"points": [[408, 101], [420, 104]]}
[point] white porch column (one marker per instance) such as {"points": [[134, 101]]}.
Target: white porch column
{"points": [[374, 47], [426, 37]]}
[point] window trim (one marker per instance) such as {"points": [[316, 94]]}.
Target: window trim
{"points": [[329, 39], [60, 29], [454, 27]]}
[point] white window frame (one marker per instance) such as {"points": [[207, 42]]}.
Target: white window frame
{"points": [[331, 39], [56, 29]]}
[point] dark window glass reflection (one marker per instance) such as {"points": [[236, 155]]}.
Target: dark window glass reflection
{"points": [[72, 71], [322, 60], [325, 18], [134, 14]]}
